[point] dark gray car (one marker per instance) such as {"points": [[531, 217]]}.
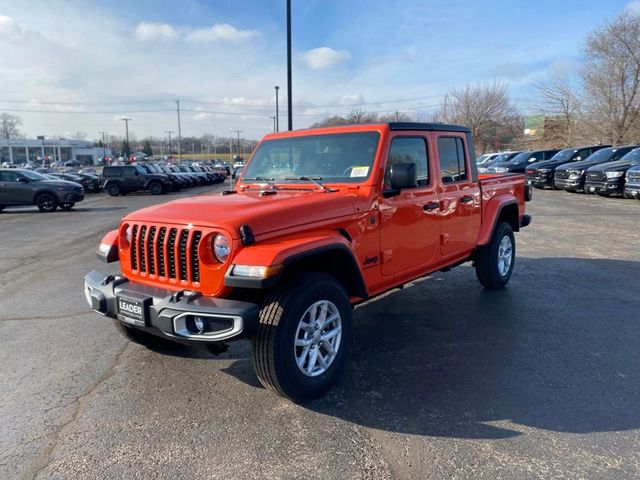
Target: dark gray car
{"points": [[19, 187]]}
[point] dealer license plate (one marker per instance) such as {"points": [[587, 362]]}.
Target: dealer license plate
{"points": [[132, 311]]}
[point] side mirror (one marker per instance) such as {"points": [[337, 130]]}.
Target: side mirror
{"points": [[403, 175], [23, 180]]}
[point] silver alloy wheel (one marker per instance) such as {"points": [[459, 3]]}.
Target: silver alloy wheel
{"points": [[505, 255], [318, 338], [46, 202]]}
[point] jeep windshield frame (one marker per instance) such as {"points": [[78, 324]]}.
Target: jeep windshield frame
{"points": [[333, 158]]}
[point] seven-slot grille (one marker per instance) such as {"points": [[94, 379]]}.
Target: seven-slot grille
{"points": [[166, 252]]}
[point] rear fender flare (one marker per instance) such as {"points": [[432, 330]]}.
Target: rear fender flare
{"points": [[500, 206]]}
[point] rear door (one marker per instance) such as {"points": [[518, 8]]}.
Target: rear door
{"points": [[410, 221], [460, 203]]}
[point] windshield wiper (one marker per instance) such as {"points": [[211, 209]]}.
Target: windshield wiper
{"points": [[315, 180], [268, 181]]}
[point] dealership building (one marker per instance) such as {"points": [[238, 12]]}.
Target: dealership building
{"points": [[21, 151]]}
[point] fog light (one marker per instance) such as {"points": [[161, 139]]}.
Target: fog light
{"points": [[198, 322]]}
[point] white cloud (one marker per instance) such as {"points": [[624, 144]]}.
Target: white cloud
{"points": [[155, 31], [355, 99], [324, 57], [9, 29], [221, 32], [633, 7]]}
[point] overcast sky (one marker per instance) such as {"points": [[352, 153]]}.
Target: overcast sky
{"points": [[94, 62]]}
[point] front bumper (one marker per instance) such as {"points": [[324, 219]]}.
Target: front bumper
{"points": [[67, 197], [571, 184], [175, 315], [608, 187], [540, 180]]}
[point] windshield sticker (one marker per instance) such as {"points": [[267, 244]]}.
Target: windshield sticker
{"points": [[359, 171]]}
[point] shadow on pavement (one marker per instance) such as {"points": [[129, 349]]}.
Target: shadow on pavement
{"points": [[556, 350]]}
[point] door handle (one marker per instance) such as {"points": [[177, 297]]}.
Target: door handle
{"points": [[466, 199], [431, 206]]}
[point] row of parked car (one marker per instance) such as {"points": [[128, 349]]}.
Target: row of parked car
{"points": [[50, 190], [602, 169]]}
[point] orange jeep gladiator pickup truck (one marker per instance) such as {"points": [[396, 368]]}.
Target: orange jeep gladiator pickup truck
{"points": [[319, 221]]}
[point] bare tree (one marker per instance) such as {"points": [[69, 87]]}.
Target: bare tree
{"points": [[394, 117], [9, 126], [611, 79], [358, 115], [557, 96], [487, 111]]}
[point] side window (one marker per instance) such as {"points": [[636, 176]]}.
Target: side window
{"points": [[129, 171], [452, 159], [111, 172], [9, 177], [409, 150]]}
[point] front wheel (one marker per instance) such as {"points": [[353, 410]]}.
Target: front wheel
{"points": [[46, 202], [67, 206], [494, 262], [303, 336]]}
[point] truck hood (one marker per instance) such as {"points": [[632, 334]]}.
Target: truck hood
{"points": [[613, 166], [263, 213]]}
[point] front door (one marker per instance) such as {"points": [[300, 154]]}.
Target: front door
{"points": [[14, 192], [410, 221], [460, 201]]}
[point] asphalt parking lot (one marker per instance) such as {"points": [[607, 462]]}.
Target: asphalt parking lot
{"points": [[540, 380]]}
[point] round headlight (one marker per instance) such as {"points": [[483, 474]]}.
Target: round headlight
{"points": [[221, 247], [127, 234]]}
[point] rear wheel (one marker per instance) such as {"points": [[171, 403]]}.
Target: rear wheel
{"points": [[303, 336], [114, 189], [146, 339], [494, 262], [46, 202]]}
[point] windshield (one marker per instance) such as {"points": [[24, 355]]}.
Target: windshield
{"points": [[503, 157], [485, 158], [563, 154], [633, 156], [522, 157], [338, 158], [601, 155], [33, 175]]}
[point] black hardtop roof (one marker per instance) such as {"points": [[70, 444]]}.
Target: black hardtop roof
{"points": [[435, 127]]}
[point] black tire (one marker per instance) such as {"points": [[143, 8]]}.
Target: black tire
{"points": [[67, 206], [46, 203], [487, 261], [156, 188], [145, 339], [113, 189], [274, 354]]}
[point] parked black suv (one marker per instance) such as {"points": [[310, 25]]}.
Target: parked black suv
{"points": [[176, 182], [541, 174], [20, 187], [571, 176], [632, 183], [608, 178], [518, 163], [117, 180]]}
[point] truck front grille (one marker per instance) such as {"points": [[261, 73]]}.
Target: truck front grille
{"points": [[633, 177], [562, 174], [596, 176], [166, 252]]}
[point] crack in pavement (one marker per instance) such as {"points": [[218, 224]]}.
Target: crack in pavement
{"points": [[47, 317], [82, 404]]}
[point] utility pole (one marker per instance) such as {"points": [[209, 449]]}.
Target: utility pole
{"points": [[104, 148], [276, 128], [231, 162], [238, 132], [274, 123], [126, 126], [179, 133], [41, 137], [169, 132], [289, 94]]}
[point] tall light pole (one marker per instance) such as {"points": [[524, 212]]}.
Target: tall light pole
{"points": [[179, 132], [104, 148], [277, 127], [169, 132], [126, 121], [41, 137], [289, 94], [238, 132], [274, 122]]}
